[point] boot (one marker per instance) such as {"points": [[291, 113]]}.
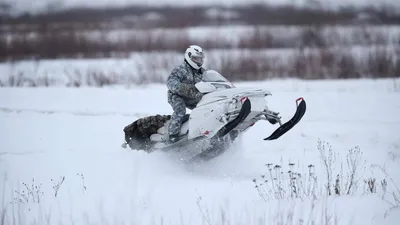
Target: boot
{"points": [[173, 139]]}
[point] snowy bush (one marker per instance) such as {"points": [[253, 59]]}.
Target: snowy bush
{"points": [[334, 176], [75, 43], [243, 65]]}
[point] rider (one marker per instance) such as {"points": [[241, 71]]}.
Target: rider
{"points": [[182, 92]]}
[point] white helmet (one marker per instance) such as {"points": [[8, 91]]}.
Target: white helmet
{"points": [[194, 55]]}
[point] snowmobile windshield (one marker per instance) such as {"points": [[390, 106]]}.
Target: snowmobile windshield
{"points": [[213, 76]]}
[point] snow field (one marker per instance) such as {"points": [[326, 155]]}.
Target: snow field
{"points": [[49, 133]]}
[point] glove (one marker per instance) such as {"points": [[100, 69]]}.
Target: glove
{"points": [[189, 91], [198, 96]]}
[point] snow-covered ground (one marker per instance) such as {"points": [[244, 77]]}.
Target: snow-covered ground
{"points": [[75, 133]]}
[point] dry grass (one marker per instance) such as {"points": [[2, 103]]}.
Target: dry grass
{"points": [[45, 43], [332, 177], [320, 63]]}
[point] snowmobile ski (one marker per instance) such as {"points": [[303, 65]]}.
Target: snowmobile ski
{"points": [[244, 112], [300, 110], [219, 149]]}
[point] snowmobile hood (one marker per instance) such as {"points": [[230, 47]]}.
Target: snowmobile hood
{"points": [[232, 93]]}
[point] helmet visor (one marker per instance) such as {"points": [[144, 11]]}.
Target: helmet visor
{"points": [[198, 59]]}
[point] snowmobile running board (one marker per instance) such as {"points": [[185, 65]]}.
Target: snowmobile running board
{"points": [[300, 110]]}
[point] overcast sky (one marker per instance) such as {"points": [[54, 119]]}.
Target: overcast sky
{"points": [[39, 5]]}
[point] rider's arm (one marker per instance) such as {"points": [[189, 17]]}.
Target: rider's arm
{"points": [[175, 85]]}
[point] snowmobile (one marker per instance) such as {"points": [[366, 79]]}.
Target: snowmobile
{"points": [[224, 112]]}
